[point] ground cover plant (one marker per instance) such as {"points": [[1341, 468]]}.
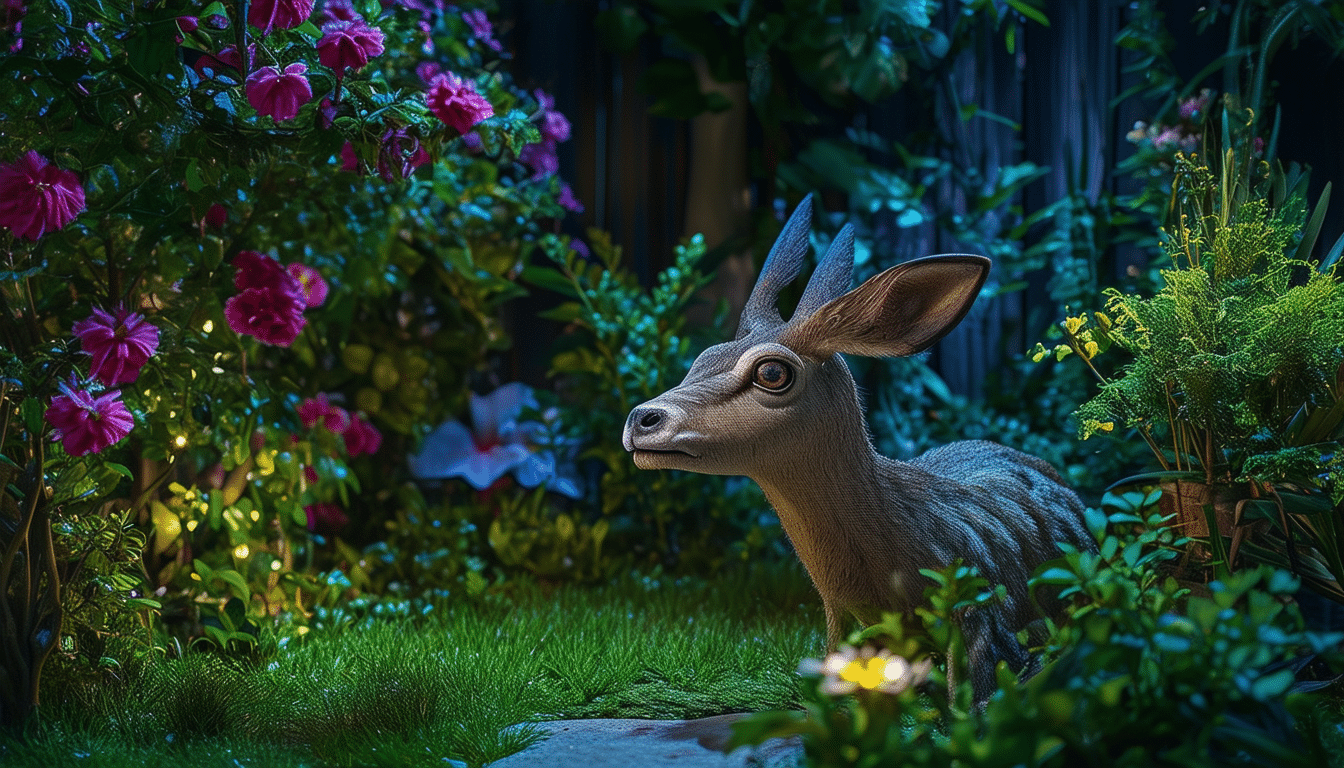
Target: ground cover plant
{"points": [[402, 685]]}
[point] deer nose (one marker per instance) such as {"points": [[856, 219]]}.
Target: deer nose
{"points": [[646, 420]]}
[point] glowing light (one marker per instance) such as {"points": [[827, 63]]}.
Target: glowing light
{"points": [[275, 565], [191, 524], [208, 326], [256, 515], [216, 370], [180, 441], [241, 551]]}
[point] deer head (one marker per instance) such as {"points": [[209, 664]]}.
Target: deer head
{"points": [[779, 382]]}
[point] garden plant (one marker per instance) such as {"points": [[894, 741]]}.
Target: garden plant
{"points": [[275, 488]]}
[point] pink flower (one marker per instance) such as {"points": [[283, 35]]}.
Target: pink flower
{"points": [[269, 15], [36, 197], [568, 201], [319, 410], [481, 28], [400, 154], [85, 424], [270, 302], [456, 102], [325, 518], [361, 437], [207, 64], [279, 94], [348, 44], [120, 344], [310, 281]]}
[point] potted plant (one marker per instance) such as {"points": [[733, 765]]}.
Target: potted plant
{"points": [[1233, 370]]}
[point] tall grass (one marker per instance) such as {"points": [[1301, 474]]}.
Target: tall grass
{"points": [[454, 684]]}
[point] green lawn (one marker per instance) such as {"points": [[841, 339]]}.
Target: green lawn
{"points": [[451, 684]]}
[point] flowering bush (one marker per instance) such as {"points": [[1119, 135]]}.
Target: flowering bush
{"points": [[188, 210]]}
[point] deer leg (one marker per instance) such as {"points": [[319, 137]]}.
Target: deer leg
{"points": [[834, 625]]}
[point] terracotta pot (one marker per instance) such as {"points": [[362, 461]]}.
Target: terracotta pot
{"points": [[1187, 500]]}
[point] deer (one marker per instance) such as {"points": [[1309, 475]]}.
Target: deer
{"points": [[779, 405]]}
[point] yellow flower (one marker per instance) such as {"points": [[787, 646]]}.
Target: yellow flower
{"points": [[848, 670], [1105, 426], [1072, 324], [1090, 349]]}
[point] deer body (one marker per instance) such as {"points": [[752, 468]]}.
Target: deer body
{"points": [[779, 405]]}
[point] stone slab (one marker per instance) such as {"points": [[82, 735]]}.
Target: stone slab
{"points": [[649, 744]]}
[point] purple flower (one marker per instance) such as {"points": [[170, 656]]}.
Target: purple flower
{"points": [[337, 10], [496, 445], [85, 424], [279, 94], [310, 282], [361, 437], [554, 126], [481, 28], [399, 154], [348, 44], [541, 158], [428, 70], [270, 301], [456, 102], [36, 197], [270, 15], [120, 344], [568, 201]]}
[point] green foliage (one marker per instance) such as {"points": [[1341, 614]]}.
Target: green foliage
{"points": [[1238, 338], [628, 346], [452, 682], [220, 474], [1141, 673]]}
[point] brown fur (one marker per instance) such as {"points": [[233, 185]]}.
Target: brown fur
{"points": [[863, 524]]}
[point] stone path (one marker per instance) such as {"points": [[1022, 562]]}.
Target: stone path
{"points": [[651, 744]]}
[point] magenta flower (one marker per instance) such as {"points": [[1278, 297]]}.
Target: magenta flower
{"points": [[349, 160], [120, 344], [270, 302], [257, 270], [274, 316], [36, 197], [348, 44], [216, 216], [319, 410], [427, 71], [361, 437], [279, 94], [481, 28], [456, 102], [310, 282], [270, 15], [325, 518], [85, 424]]}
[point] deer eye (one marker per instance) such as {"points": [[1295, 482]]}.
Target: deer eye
{"points": [[773, 376]]}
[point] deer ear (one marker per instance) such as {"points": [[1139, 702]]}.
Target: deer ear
{"points": [[901, 311]]}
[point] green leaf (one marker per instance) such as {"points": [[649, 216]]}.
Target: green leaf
{"points": [[194, 181]]}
